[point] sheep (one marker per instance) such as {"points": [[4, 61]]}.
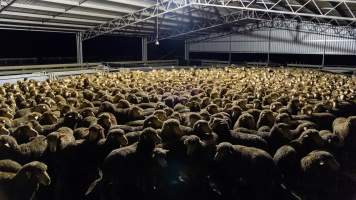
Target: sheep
{"points": [[27, 152], [88, 121], [197, 164], [322, 120], [249, 140], [124, 167], [171, 132], [24, 133], [301, 128], [253, 166], [70, 120], [9, 166], [333, 142], [278, 136], [293, 106], [308, 141], [266, 118], [202, 129], [319, 174], [97, 152], [81, 155], [6, 122], [307, 100], [255, 113], [246, 120], [25, 183], [344, 128], [59, 140], [129, 114], [4, 130], [153, 122], [106, 120], [48, 118], [287, 160]]}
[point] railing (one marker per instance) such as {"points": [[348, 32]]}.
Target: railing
{"points": [[305, 66], [149, 63], [214, 63], [29, 69], [35, 61]]}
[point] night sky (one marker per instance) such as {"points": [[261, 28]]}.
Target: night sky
{"points": [[61, 48], [54, 48]]}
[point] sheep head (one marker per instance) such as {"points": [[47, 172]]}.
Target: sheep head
{"points": [[36, 171]]}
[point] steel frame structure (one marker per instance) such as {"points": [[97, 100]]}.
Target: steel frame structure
{"points": [[5, 4], [159, 9], [278, 14]]}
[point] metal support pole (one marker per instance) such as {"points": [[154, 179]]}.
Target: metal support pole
{"points": [[269, 46], [230, 49], [324, 49], [79, 48], [144, 48], [186, 51]]}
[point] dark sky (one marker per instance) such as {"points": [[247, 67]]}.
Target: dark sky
{"points": [[61, 48], [40, 45]]}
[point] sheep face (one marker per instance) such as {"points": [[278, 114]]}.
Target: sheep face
{"points": [[160, 155], [202, 126], [224, 151], [284, 130], [136, 112], [192, 143], [7, 142], [319, 161], [72, 117], [48, 118], [331, 139], [153, 122], [96, 132], [105, 120], [150, 136], [171, 130], [118, 135], [161, 115], [212, 109], [53, 141], [123, 104], [37, 171], [87, 112], [307, 110], [311, 137], [283, 118]]}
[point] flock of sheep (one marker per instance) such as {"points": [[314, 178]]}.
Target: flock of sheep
{"points": [[229, 133]]}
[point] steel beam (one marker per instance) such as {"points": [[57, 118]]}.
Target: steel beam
{"points": [[262, 20], [205, 25], [159, 9], [79, 43], [144, 48], [263, 8], [5, 4], [186, 51], [237, 4]]}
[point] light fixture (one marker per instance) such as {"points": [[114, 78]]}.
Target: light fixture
{"points": [[157, 28]]}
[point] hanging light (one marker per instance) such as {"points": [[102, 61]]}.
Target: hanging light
{"points": [[157, 40]]}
